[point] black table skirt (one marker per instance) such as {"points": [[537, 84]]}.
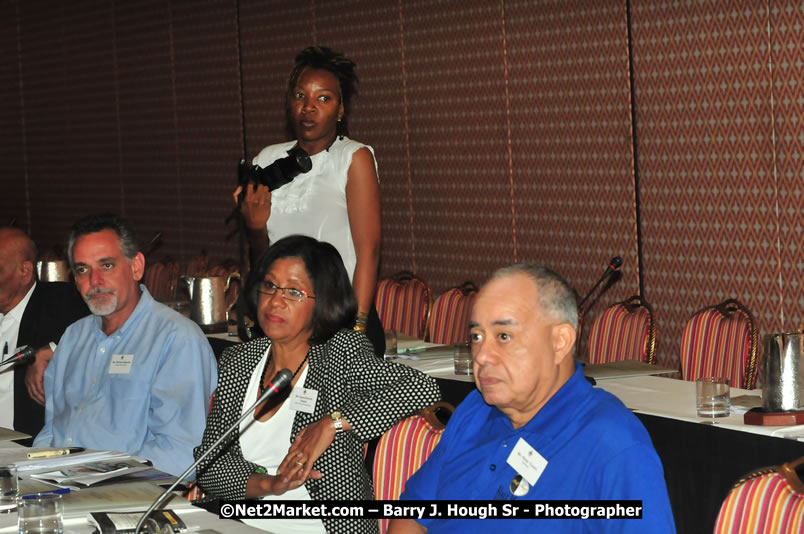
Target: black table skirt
{"points": [[701, 462]]}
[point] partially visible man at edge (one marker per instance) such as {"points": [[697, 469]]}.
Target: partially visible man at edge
{"points": [[136, 376], [536, 429], [32, 313]]}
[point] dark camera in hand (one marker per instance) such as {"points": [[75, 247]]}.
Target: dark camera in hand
{"points": [[278, 173]]}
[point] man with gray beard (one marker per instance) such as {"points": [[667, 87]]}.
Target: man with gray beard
{"points": [[135, 376]]}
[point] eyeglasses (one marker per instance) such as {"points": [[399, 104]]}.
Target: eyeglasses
{"points": [[288, 293]]}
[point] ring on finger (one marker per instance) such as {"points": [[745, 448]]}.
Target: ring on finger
{"points": [[300, 464]]}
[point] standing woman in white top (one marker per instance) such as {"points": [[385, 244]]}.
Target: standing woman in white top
{"points": [[338, 201]]}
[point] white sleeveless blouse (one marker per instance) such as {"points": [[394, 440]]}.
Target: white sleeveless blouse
{"points": [[314, 203]]}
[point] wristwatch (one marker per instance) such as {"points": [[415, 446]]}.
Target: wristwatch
{"points": [[337, 420]]}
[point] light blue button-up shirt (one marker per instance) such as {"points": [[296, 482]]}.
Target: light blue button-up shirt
{"points": [[155, 407]]}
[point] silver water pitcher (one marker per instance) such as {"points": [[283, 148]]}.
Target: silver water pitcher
{"points": [[208, 305], [53, 271], [783, 389]]}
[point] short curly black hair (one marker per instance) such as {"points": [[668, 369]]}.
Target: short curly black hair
{"points": [[323, 58]]}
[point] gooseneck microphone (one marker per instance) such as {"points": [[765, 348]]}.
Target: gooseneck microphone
{"points": [[280, 382], [614, 264], [25, 356]]}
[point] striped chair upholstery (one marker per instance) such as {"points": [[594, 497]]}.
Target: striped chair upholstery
{"points": [[625, 331], [161, 280], [402, 450], [721, 340], [403, 303], [198, 266], [449, 317], [770, 501]]}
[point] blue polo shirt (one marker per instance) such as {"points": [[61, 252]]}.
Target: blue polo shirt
{"points": [[595, 448]]}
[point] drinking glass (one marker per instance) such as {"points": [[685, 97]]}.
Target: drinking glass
{"points": [[462, 358], [8, 488], [712, 396], [41, 514], [390, 344]]}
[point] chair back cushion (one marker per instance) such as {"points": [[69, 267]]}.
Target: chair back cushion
{"points": [[715, 345], [763, 504], [403, 307], [618, 334], [449, 317], [400, 453]]}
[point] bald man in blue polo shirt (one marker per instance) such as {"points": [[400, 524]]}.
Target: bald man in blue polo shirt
{"points": [[536, 429]]}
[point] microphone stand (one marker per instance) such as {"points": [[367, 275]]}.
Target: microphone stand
{"points": [[614, 264], [591, 291], [280, 382]]}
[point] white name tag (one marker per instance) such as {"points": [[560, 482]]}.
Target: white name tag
{"points": [[303, 399], [121, 364], [527, 461]]}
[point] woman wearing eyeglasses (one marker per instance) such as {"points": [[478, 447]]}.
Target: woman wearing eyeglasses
{"points": [[306, 444]]}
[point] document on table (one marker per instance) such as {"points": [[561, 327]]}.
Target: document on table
{"points": [[13, 456], [414, 346], [89, 473]]}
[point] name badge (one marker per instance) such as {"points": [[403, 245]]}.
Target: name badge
{"points": [[303, 399], [121, 364], [527, 461]]}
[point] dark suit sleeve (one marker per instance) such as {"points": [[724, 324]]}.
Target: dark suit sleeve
{"points": [[53, 307]]}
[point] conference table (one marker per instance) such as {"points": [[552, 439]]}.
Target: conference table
{"points": [[128, 496], [702, 457]]}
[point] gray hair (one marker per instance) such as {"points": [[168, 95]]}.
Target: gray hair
{"points": [[97, 223], [557, 298]]}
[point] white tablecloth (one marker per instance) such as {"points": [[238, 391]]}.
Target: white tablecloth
{"points": [[675, 399]]}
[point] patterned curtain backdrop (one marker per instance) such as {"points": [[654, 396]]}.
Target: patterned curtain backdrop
{"points": [[14, 200], [572, 151], [457, 132], [70, 116], [787, 34], [503, 132], [710, 187], [127, 108]]}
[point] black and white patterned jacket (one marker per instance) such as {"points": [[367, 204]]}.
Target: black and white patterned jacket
{"points": [[372, 395]]}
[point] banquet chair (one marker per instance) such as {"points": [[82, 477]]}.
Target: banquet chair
{"points": [[225, 268], [449, 316], [161, 279], [625, 331], [198, 266], [721, 340], [403, 303], [770, 501], [403, 449], [155, 280]]}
